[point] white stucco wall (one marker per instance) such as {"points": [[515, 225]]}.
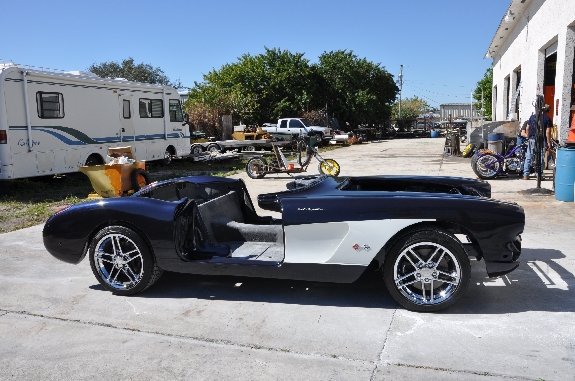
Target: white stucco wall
{"points": [[550, 22]]}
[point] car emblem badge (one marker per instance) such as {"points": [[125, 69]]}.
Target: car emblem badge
{"points": [[357, 247]]}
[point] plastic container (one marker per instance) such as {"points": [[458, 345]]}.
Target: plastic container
{"points": [[112, 180], [496, 136], [495, 145], [434, 134], [565, 175]]}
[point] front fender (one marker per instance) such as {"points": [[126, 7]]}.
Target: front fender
{"points": [[66, 234]]}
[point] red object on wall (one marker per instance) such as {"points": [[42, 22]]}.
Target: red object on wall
{"points": [[571, 137], [549, 95]]}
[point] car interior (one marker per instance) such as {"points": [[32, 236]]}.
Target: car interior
{"points": [[217, 223]]}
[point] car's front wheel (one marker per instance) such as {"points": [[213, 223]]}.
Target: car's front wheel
{"points": [[122, 262], [427, 270]]}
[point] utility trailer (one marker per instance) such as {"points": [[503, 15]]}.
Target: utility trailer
{"points": [[245, 139], [54, 122]]}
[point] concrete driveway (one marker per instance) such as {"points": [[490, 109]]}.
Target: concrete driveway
{"points": [[57, 322]]}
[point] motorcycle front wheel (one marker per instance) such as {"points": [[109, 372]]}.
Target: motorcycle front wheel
{"points": [[329, 167], [486, 166]]}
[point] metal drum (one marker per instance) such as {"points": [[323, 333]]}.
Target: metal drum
{"points": [[565, 174]]}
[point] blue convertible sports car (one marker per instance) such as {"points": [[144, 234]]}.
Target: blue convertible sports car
{"points": [[419, 231]]}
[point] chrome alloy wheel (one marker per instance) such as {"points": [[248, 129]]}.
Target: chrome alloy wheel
{"points": [[427, 273], [118, 261]]}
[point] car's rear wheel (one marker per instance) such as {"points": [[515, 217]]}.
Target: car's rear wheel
{"points": [[122, 262], [427, 270]]}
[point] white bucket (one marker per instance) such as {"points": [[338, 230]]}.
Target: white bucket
{"points": [[495, 145]]}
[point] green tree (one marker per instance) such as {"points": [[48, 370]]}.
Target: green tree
{"points": [[410, 108], [356, 90], [258, 88], [278, 84], [141, 72], [485, 85]]}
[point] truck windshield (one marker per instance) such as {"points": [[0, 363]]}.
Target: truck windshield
{"points": [[305, 123], [176, 111]]}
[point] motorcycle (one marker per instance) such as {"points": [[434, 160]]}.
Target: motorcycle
{"points": [[488, 164]]}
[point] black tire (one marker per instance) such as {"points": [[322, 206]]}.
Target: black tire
{"points": [[213, 148], [469, 150], [248, 149], [304, 153], [196, 149], [93, 159], [167, 159], [255, 167], [329, 167], [122, 261], [139, 178], [425, 260], [486, 166]]}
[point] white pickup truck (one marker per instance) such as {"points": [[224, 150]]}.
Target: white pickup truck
{"points": [[295, 126]]}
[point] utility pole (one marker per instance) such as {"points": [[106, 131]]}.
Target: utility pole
{"points": [[400, 83]]}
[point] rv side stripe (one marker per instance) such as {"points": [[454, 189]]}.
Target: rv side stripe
{"points": [[84, 139], [83, 86]]}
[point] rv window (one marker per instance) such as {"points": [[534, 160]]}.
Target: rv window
{"points": [[176, 111], [151, 108], [50, 105], [126, 108]]}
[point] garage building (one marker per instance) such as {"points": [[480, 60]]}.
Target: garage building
{"points": [[533, 53]]}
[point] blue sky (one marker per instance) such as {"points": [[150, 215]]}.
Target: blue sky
{"points": [[441, 43]]}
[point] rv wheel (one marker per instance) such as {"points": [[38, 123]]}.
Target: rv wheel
{"points": [[167, 160], [93, 160]]}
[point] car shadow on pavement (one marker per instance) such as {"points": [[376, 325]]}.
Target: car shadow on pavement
{"points": [[538, 284], [367, 292]]}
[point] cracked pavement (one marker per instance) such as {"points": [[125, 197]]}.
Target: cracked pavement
{"points": [[57, 322]]}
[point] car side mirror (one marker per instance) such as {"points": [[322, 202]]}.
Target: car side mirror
{"points": [[186, 118]]}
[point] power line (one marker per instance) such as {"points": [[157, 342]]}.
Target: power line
{"points": [[433, 92], [435, 84]]}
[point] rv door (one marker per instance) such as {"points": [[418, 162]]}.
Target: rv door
{"points": [[127, 132]]}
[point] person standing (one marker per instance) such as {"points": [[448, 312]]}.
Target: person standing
{"points": [[531, 134]]}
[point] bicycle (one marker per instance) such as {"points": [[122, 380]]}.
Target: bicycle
{"points": [[257, 167]]}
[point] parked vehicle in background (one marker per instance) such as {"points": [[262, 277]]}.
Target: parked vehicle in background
{"points": [[55, 121], [340, 137], [297, 126]]}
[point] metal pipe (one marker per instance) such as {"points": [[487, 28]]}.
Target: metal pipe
{"points": [[168, 109], [27, 110]]}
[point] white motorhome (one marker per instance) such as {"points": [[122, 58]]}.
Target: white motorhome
{"points": [[54, 122]]}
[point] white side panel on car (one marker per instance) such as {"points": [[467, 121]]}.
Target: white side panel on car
{"points": [[346, 243]]}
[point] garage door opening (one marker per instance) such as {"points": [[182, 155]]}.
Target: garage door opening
{"points": [[549, 83]]}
